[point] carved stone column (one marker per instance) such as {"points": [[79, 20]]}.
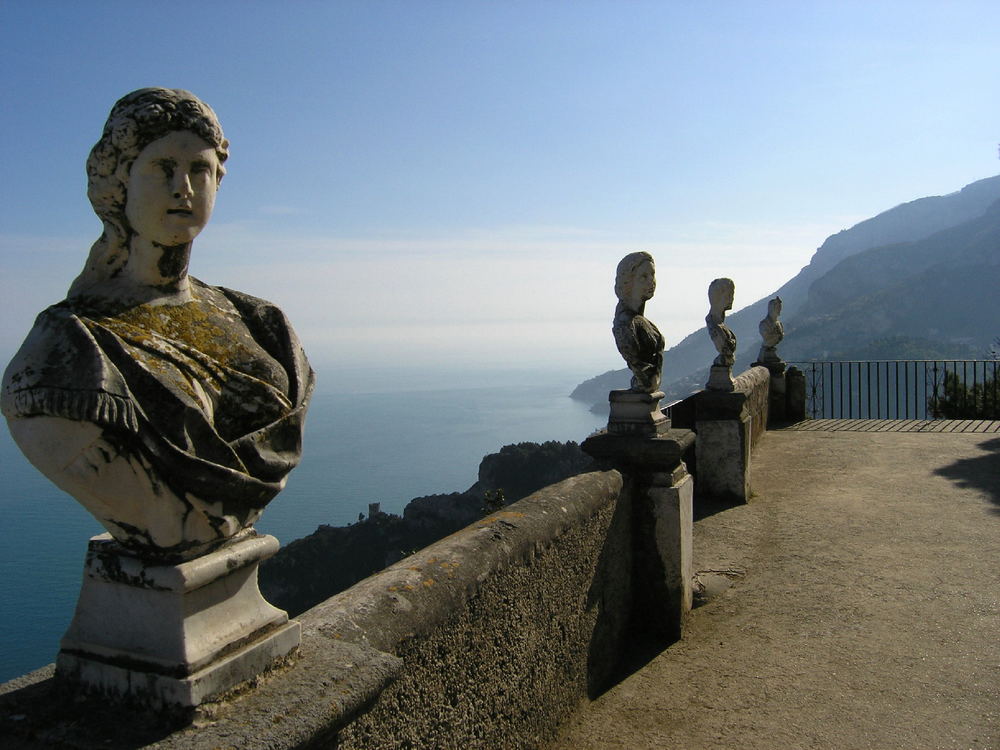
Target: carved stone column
{"points": [[662, 491], [777, 399], [722, 449], [795, 394]]}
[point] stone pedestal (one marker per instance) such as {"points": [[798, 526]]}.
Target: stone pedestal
{"points": [[173, 635], [670, 507], [722, 449], [663, 495], [720, 378], [795, 394], [636, 414], [776, 407]]}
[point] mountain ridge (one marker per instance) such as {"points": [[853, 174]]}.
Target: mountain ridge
{"points": [[899, 227]]}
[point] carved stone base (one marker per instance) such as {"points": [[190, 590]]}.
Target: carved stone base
{"points": [[662, 491], [774, 364], [173, 634], [722, 448], [720, 379], [636, 414]]}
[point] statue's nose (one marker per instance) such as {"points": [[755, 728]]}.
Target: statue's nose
{"points": [[182, 186]]}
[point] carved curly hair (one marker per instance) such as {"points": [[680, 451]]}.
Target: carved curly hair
{"points": [[627, 266], [136, 120]]}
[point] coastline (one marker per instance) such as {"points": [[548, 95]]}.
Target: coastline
{"points": [[365, 442]]}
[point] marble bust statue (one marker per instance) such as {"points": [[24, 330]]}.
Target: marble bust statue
{"points": [[639, 341], [771, 333], [720, 299], [172, 410]]}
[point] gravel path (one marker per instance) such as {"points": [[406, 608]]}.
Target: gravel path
{"points": [[863, 610]]}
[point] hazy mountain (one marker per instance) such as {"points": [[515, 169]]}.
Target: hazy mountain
{"points": [[903, 258], [940, 289]]}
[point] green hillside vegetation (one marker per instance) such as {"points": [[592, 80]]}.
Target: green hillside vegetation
{"points": [[972, 401]]}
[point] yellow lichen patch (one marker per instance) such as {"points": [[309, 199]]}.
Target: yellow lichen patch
{"points": [[428, 583], [394, 588], [414, 567], [408, 587], [509, 514], [447, 565]]}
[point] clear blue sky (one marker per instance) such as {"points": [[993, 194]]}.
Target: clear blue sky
{"points": [[454, 182]]}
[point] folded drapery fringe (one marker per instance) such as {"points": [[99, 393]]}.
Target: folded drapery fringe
{"points": [[81, 406]]}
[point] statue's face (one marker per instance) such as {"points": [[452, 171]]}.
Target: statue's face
{"points": [[171, 189], [643, 282], [720, 296]]}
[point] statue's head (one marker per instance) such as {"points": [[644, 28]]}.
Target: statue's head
{"points": [[136, 120], [720, 295], [635, 279], [774, 308]]}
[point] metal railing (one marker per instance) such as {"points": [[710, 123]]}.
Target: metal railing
{"points": [[902, 389]]}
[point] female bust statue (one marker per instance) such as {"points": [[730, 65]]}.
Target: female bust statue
{"points": [[172, 410], [638, 340]]}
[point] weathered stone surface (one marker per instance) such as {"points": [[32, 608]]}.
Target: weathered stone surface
{"points": [[662, 490], [672, 501], [723, 451], [635, 453], [795, 395], [728, 425], [170, 409], [344, 555], [635, 413], [173, 634], [771, 332], [638, 340], [720, 297]]}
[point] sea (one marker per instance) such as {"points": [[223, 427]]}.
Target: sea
{"points": [[383, 437]]}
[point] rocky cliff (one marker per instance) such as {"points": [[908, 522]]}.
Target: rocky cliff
{"points": [[333, 558]]}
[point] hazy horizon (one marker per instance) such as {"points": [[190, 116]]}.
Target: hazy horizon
{"points": [[447, 184]]}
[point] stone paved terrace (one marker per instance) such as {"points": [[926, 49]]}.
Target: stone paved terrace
{"points": [[854, 603]]}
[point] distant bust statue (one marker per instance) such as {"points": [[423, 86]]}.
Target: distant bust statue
{"points": [[771, 333], [170, 409], [720, 298], [639, 341]]}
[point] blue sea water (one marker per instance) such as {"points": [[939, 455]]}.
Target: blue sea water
{"points": [[423, 432]]}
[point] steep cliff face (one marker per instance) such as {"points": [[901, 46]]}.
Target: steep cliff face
{"points": [[686, 364]]}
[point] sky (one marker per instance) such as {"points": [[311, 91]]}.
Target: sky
{"points": [[452, 184]]}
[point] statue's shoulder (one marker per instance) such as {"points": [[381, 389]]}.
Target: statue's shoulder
{"points": [[59, 326], [60, 370]]}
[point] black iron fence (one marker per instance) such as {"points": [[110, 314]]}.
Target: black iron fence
{"points": [[902, 389]]}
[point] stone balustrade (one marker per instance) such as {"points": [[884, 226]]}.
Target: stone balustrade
{"points": [[487, 638]]}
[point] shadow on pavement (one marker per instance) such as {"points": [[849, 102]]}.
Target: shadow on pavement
{"points": [[981, 472]]}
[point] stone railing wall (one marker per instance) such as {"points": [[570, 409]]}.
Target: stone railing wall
{"points": [[507, 625], [729, 425], [487, 638], [754, 385]]}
